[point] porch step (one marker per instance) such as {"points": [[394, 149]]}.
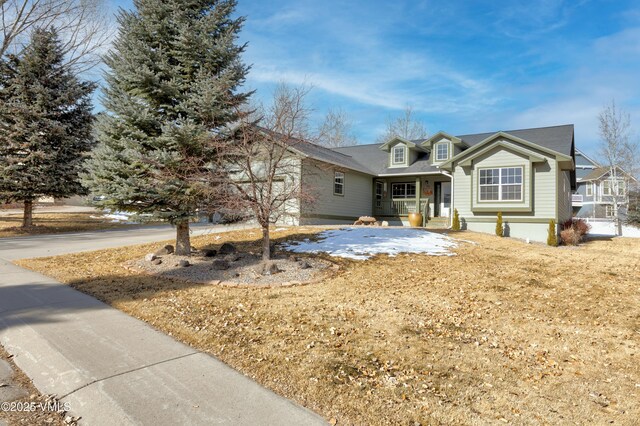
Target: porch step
{"points": [[438, 222]]}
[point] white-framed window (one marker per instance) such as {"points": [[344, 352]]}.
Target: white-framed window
{"points": [[379, 193], [503, 184], [606, 187], [403, 190], [608, 210], [442, 151], [399, 154], [589, 189], [338, 183]]}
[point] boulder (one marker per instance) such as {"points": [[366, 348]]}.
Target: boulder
{"points": [[270, 269], [385, 223], [303, 264], [227, 248], [150, 257], [168, 249], [293, 258], [156, 261], [233, 257], [220, 264], [184, 263], [209, 253]]}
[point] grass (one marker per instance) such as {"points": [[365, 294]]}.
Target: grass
{"points": [[504, 332], [54, 223]]}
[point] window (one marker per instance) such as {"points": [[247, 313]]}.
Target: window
{"points": [[589, 189], [403, 190], [503, 184], [379, 193], [338, 183], [608, 187], [608, 210], [399, 153], [442, 151]]}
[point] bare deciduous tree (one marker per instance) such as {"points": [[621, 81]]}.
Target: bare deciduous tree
{"points": [[619, 154], [258, 170], [336, 130], [405, 126], [82, 25]]}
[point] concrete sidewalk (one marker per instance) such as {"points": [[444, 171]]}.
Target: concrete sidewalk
{"points": [[114, 369]]}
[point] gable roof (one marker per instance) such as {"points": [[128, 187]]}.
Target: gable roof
{"points": [[593, 164], [600, 172]]}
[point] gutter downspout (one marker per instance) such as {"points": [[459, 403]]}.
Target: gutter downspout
{"points": [[452, 194]]}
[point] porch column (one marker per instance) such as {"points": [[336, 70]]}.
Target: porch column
{"points": [[418, 191]]}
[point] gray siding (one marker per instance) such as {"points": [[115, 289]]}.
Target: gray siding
{"points": [[327, 207]]}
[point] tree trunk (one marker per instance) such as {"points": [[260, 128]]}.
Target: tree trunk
{"points": [[27, 218], [183, 239], [618, 226], [266, 244]]}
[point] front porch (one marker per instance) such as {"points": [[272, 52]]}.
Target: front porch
{"points": [[395, 197]]}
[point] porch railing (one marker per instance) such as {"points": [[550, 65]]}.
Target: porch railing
{"points": [[398, 207], [576, 199]]}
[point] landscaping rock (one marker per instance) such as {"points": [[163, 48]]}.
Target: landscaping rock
{"points": [[220, 264], [156, 261], [293, 258], [227, 248], [184, 263], [303, 264], [168, 249], [209, 253], [385, 223], [270, 269], [233, 257], [150, 257]]}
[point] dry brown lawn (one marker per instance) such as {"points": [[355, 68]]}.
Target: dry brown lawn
{"points": [[54, 223], [504, 332]]}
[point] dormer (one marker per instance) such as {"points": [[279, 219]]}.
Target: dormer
{"points": [[443, 147], [402, 152]]}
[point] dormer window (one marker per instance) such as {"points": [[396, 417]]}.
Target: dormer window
{"points": [[442, 151], [399, 154]]}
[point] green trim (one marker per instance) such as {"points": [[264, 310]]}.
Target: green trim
{"points": [[387, 145], [442, 135], [508, 219], [533, 157], [328, 216], [504, 209], [463, 154]]}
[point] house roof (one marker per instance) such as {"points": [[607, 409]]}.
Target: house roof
{"points": [[596, 173], [327, 155], [555, 138]]}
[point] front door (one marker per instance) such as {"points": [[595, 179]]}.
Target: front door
{"points": [[445, 199]]}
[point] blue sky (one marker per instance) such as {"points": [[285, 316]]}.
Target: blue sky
{"points": [[464, 66]]}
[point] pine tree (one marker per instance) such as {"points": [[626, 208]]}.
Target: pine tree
{"points": [[455, 226], [174, 72], [499, 227], [552, 234], [45, 124]]}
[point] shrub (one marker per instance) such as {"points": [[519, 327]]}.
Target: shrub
{"points": [[552, 236], [578, 228], [570, 237], [581, 226], [455, 226], [499, 228]]}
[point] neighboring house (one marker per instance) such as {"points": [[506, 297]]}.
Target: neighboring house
{"points": [[528, 175], [594, 195]]}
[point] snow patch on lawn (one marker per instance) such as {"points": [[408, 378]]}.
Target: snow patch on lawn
{"points": [[362, 243], [609, 229]]}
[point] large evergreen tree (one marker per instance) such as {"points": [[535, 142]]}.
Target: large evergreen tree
{"points": [[173, 80], [45, 124]]}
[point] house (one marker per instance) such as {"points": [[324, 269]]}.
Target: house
{"points": [[526, 174], [594, 194]]}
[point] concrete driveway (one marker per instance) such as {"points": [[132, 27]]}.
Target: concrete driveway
{"points": [[110, 367]]}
